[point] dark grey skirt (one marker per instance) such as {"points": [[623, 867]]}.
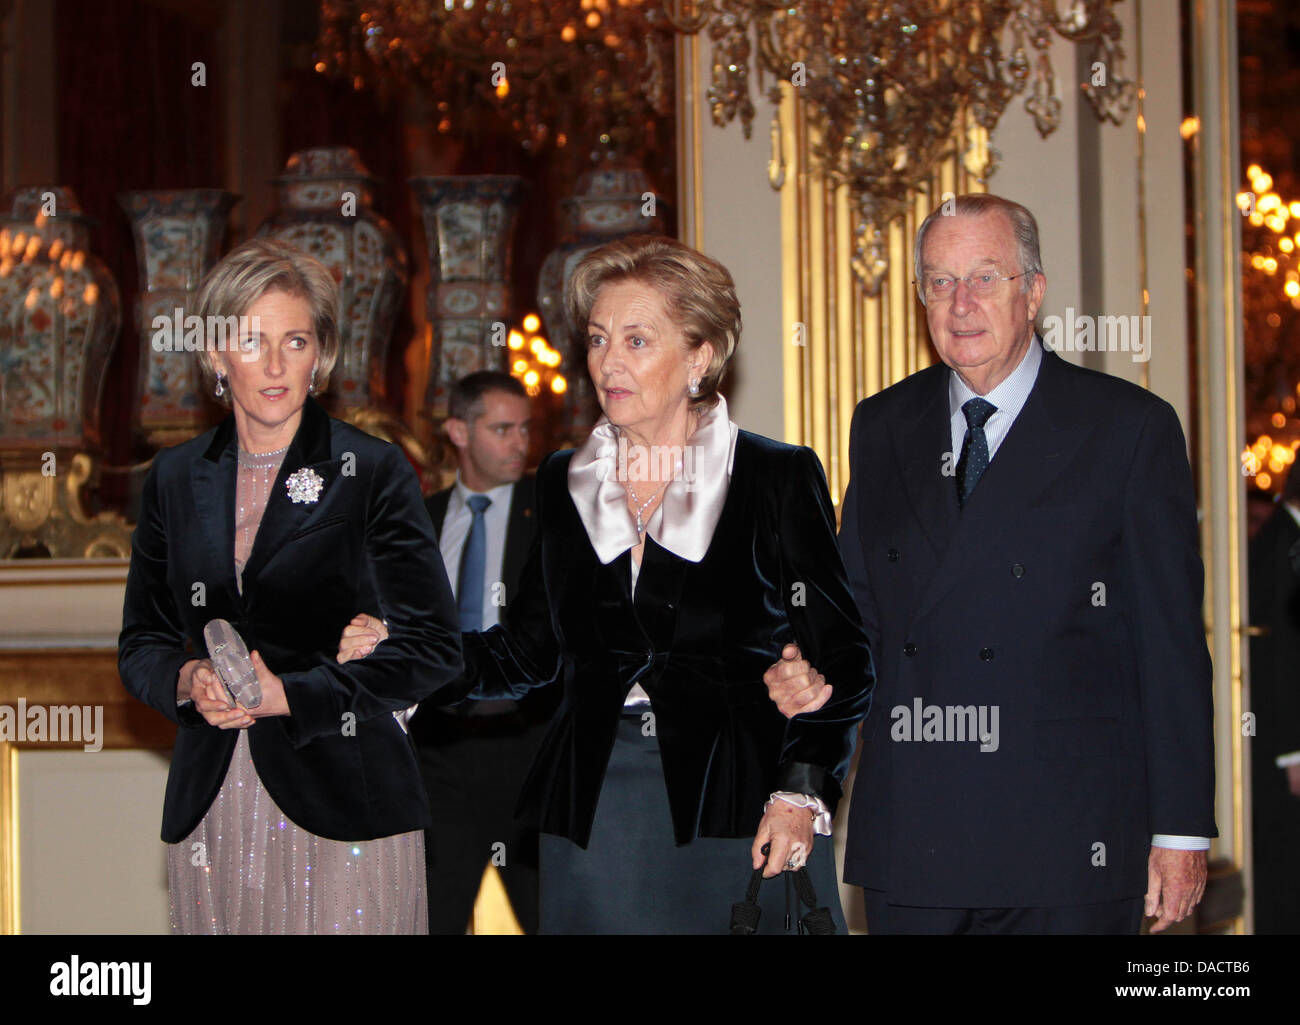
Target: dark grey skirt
{"points": [[633, 878]]}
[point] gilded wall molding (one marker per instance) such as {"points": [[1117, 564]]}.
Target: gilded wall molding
{"points": [[842, 343]]}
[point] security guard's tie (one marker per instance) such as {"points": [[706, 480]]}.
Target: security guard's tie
{"points": [[473, 567]]}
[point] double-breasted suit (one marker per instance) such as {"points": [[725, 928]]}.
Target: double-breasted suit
{"points": [[1059, 615], [339, 765]]}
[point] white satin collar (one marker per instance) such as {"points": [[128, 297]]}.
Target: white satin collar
{"points": [[692, 502]]}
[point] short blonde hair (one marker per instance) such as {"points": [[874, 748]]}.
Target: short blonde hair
{"points": [[697, 290], [264, 265]]}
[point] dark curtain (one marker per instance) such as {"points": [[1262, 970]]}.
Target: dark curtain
{"points": [[129, 118]]}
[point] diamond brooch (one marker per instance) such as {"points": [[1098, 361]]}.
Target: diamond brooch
{"points": [[304, 486]]}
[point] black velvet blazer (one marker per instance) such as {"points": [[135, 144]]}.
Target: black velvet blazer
{"points": [[339, 765], [698, 638]]}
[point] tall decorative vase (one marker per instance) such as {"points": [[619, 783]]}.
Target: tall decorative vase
{"points": [[469, 224], [326, 207], [61, 311], [59, 314], [177, 240], [609, 203]]}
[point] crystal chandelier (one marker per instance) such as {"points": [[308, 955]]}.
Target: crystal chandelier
{"points": [[591, 76], [885, 83]]}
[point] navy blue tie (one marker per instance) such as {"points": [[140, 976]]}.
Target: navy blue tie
{"points": [[975, 449], [473, 566]]}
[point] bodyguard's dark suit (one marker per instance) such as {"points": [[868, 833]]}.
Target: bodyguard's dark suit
{"points": [[1275, 701], [474, 766], [520, 528], [698, 637], [1067, 594], [339, 765]]}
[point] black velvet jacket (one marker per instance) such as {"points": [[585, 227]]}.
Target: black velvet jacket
{"points": [[339, 765], [698, 638]]}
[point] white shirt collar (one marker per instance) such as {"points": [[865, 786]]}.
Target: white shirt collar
{"points": [[460, 494], [692, 502], [1011, 394]]}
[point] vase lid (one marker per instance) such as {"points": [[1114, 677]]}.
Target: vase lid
{"points": [[26, 203], [325, 162]]}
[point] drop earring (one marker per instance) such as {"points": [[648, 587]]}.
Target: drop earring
{"points": [[693, 386], [311, 388], [220, 389]]}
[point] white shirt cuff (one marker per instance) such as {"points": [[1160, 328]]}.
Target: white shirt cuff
{"points": [[1181, 843], [822, 816], [404, 716], [1286, 761]]}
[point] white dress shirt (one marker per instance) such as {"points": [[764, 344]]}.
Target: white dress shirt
{"points": [[1009, 397], [455, 532]]}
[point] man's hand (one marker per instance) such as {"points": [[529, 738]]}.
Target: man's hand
{"points": [[794, 685], [1175, 884], [360, 637]]}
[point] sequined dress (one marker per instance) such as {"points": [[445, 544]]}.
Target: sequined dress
{"points": [[247, 869]]}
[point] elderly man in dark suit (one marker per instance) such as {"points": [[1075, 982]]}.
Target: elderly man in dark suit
{"points": [[1020, 534]]}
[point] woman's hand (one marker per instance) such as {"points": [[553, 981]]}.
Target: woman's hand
{"points": [[274, 701], [360, 637], [199, 681], [789, 830]]}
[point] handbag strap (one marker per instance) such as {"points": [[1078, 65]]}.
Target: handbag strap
{"points": [[746, 914]]}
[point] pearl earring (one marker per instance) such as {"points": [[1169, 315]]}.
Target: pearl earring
{"points": [[693, 387]]}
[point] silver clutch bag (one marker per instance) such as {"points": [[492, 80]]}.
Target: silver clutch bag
{"points": [[229, 657]]}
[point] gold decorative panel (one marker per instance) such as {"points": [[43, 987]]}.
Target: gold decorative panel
{"points": [[843, 344]]}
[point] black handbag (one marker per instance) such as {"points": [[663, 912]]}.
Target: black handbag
{"points": [[816, 922]]}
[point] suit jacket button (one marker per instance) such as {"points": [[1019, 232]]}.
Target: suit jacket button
{"points": [[892, 555], [986, 654], [1017, 571], [909, 649]]}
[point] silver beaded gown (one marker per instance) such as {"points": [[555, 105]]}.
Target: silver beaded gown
{"points": [[247, 869]]}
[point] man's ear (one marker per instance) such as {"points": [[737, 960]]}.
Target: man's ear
{"points": [[1036, 292], [458, 431]]}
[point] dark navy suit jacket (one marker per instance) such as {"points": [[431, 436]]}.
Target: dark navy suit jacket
{"points": [[1067, 594]]}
